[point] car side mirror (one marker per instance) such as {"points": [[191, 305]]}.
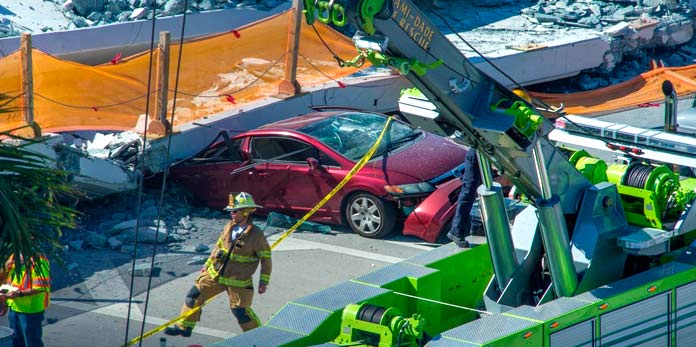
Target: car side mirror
{"points": [[313, 163]]}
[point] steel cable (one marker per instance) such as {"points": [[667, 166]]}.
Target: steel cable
{"points": [[169, 128], [141, 178]]}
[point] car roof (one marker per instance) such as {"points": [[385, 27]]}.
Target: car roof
{"points": [[294, 123]]}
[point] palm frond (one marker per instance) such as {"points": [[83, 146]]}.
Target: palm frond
{"points": [[31, 213]]}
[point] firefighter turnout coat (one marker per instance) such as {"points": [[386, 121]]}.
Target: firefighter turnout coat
{"points": [[232, 262]]}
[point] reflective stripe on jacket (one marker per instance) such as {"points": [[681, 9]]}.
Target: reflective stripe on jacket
{"points": [[38, 280], [250, 249]]}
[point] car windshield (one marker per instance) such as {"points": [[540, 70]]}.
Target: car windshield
{"points": [[352, 134]]}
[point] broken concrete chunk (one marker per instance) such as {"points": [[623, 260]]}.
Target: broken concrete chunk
{"points": [[128, 249], [180, 231], [197, 260], [590, 83], [68, 5], [114, 243], [618, 29], [143, 270], [668, 4], [595, 9], [202, 248], [185, 222], [145, 234], [130, 224], [95, 240], [76, 245], [590, 21], [547, 18], [643, 28], [138, 13], [678, 33], [85, 7], [177, 238], [675, 60]]}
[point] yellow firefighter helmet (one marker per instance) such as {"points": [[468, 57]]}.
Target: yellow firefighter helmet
{"points": [[240, 201]]}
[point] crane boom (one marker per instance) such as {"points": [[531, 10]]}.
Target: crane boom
{"points": [[503, 127], [489, 116]]}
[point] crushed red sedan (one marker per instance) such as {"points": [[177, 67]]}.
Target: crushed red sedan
{"points": [[290, 165]]}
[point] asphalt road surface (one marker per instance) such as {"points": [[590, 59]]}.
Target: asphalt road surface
{"points": [[90, 301]]}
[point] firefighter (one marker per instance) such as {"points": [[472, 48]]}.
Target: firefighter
{"points": [[230, 271]]}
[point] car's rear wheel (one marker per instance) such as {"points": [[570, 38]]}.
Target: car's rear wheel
{"points": [[369, 215]]}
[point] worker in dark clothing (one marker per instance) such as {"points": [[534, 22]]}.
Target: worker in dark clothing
{"points": [[471, 180]]}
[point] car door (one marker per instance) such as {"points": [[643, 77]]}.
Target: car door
{"points": [[290, 185], [208, 175]]}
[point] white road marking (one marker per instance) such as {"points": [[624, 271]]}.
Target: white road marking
{"points": [[292, 244], [410, 243], [121, 310]]}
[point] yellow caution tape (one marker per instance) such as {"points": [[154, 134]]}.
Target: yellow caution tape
{"points": [[165, 325], [359, 165]]}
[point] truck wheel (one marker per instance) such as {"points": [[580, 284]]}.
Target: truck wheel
{"points": [[369, 216]]}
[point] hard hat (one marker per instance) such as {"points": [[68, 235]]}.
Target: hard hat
{"points": [[241, 201]]}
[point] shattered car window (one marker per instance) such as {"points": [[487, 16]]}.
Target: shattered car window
{"points": [[352, 134], [223, 151], [283, 149]]}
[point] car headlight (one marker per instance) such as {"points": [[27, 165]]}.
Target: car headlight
{"points": [[420, 188]]}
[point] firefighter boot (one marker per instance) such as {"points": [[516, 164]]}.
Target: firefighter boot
{"points": [[175, 330], [252, 324], [246, 317]]}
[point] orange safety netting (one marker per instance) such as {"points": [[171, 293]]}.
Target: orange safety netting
{"points": [[218, 73], [639, 91]]}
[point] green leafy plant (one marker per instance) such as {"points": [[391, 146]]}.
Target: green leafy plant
{"points": [[32, 195]]}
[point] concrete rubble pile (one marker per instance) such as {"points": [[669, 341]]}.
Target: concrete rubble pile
{"points": [[630, 27], [539, 41], [111, 223], [100, 164], [85, 13]]}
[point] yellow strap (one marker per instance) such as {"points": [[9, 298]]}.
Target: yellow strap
{"points": [[359, 165], [165, 325]]}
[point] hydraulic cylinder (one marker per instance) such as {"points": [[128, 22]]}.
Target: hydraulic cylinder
{"points": [[495, 222], [554, 232], [554, 235]]}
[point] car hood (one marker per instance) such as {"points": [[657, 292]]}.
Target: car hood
{"points": [[426, 158]]}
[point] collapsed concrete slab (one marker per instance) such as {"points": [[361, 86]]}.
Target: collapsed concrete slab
{"points": [[93, 175], [552, 40]]}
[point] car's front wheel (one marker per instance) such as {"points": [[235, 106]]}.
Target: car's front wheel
{"points": [[369, 215]]}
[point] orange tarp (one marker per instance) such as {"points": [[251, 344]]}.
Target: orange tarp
{"points": [[217, 73], [642, 89]]}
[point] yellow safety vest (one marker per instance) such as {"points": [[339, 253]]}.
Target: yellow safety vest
{"points": [[39, 280]]}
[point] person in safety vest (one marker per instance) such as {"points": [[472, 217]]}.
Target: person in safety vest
{"points": [[26, 294], [235, 257]]}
